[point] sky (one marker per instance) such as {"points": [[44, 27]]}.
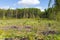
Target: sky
{"points": [[13, 4]]}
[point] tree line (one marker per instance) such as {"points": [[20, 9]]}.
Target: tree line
{"points": [[54, 11], [50, 13], [28, 13], [20, 13]]}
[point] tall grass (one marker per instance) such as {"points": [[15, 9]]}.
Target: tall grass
{"points": [[37, 26]]}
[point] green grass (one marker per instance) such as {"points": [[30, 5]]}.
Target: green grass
{"points": [[25, 22], [36, 24]]}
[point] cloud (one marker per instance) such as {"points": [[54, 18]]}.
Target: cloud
{"points": [[41, 8], [29, 2], [7, 7], [12, 8], [4, 7]]}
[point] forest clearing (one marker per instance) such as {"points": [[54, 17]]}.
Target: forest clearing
{"points": [[30, 20]]}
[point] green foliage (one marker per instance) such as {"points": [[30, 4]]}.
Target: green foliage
{"points": [[37, 25], [52, 37], [20, 13]]}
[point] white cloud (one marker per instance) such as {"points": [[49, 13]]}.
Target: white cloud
{"points": [[29, 2], [4, 7], [41, 8], [12, 8], [7, 7]]}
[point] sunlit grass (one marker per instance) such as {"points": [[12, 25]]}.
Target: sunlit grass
{"points": [[36, 24], [25, 22]]}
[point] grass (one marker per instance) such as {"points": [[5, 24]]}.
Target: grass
{"points": [[36, 24], [24, 22], [39, 23]]}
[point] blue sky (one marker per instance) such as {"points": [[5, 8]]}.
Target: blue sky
{"points": [[13, 4]]}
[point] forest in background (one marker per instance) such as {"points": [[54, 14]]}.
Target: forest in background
{"points": [[50, 13]]}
